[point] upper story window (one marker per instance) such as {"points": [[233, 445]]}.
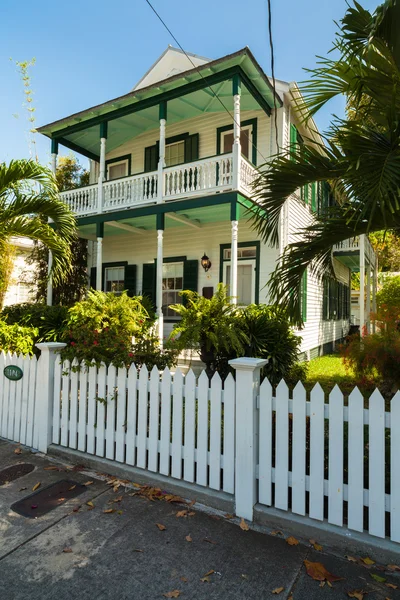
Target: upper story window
{"points": [[117, 169], [175, 154], [246, 135]]}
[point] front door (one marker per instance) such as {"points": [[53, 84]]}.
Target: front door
{"points": [[245, 281]]}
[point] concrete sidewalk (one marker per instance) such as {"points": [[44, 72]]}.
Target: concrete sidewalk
{"points": [[125, 555]]}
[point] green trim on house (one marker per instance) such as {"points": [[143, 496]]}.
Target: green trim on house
{"points": [[162, 111], [235, 210], [104, 129], [251, 122], [257, 244], [76, 148], [236, 85], [100, 229], [172, 259], [176, 138], [162, 208], [160, 221], [127, 157], [54, 146]]}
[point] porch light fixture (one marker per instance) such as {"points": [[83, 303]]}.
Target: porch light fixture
{"points": [[205, 262]]}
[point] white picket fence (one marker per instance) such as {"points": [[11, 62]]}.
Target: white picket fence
{"points": [[18, 401], [168, 426], [334, 462]]}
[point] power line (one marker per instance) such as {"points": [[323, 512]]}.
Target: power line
{"points": [[271, 45], [208, 85]]}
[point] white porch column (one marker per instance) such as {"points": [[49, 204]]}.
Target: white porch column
{"points": [[234, 261], [236, 149], [49, 295], [368, 303], [102, 166], [362, 285], [99, 256], [161, 161], [160, 259]]}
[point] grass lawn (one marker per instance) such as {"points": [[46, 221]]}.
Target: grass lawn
{"points": [[329, 370]]}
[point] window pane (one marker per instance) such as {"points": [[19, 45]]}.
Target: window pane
{"points": [[228, 142], [118, 170], [175, 154], [172, 284], [114, 279], [245, 142]]}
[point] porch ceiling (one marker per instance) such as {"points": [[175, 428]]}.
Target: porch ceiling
{"points": [[200, 216], [349, 259], [188, 95]]}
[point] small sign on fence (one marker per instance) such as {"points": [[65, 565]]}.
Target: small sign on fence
{"points": [[13, 372]]}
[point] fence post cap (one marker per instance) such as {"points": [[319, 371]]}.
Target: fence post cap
{"points": [[246, 363], [50, 346]]}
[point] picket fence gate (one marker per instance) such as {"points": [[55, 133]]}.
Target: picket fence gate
{"points": [[334, 461]]}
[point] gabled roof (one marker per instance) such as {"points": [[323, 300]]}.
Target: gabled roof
{"points": [[171, 62], [194, 92]]}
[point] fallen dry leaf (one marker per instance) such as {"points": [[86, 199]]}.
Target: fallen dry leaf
{"points": [[184, 579], [229, 516], [136, 485], [392, 586], [108, 511], [161, 527], [182, 513], [188, 538], [318, 572], [173, 594], [209, 541], [393, 568], [368, 561], [192, 503], [137, 550], [351, 558], [315, 545], [205, 579], [51, 469], [67, 550], [76, 508], [357, 594], [210, 572], [119, 499], [71, 488], [88, 483], [35, 487], [243, 525], [292, 541], [277, 532], [377, 578], [17, 451], [278, 590], [90, 504], [192, 513]]}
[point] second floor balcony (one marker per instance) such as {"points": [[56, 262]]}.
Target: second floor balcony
{"points": [[205, 176]]}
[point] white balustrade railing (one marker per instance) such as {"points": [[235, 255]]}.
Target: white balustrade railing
{"points": [[248, 174], [130, 191], [354, 244], [82, 201], [204, 175], [207, 175]]}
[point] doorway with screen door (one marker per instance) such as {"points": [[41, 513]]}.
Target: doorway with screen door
{"points": [[245, 281]]}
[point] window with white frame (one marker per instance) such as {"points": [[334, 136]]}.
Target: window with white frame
{"points": [[172, 284], [175, 154], [246, 134], [114, 280], [117, 169]]}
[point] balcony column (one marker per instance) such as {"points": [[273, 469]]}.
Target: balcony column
{"points": [[102, 166], [161, 160], [159, 274], [368, 302], [362, 285], [49, 295], [236, 148], [99, 255], [234, 251]]}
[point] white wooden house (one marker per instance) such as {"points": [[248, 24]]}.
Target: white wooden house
{"points": [[172, 164]]}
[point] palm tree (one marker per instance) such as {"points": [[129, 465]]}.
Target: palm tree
{"points": [[359, 155], [28, 200]]}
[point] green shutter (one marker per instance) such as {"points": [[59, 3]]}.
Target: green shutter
{"points": [[190, 275], [151, 158], [314, 197], [192, 147], [149, 282], [93, 277], [304, 281], [293, 141], [130, 280]]}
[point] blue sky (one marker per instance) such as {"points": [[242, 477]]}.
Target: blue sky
{"points": [[89, 52]]}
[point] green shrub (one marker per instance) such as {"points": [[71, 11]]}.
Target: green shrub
{"points": [[388, 303], [101, 328], [17, 339], [270, 336], [48, 320], [147, 351]]}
